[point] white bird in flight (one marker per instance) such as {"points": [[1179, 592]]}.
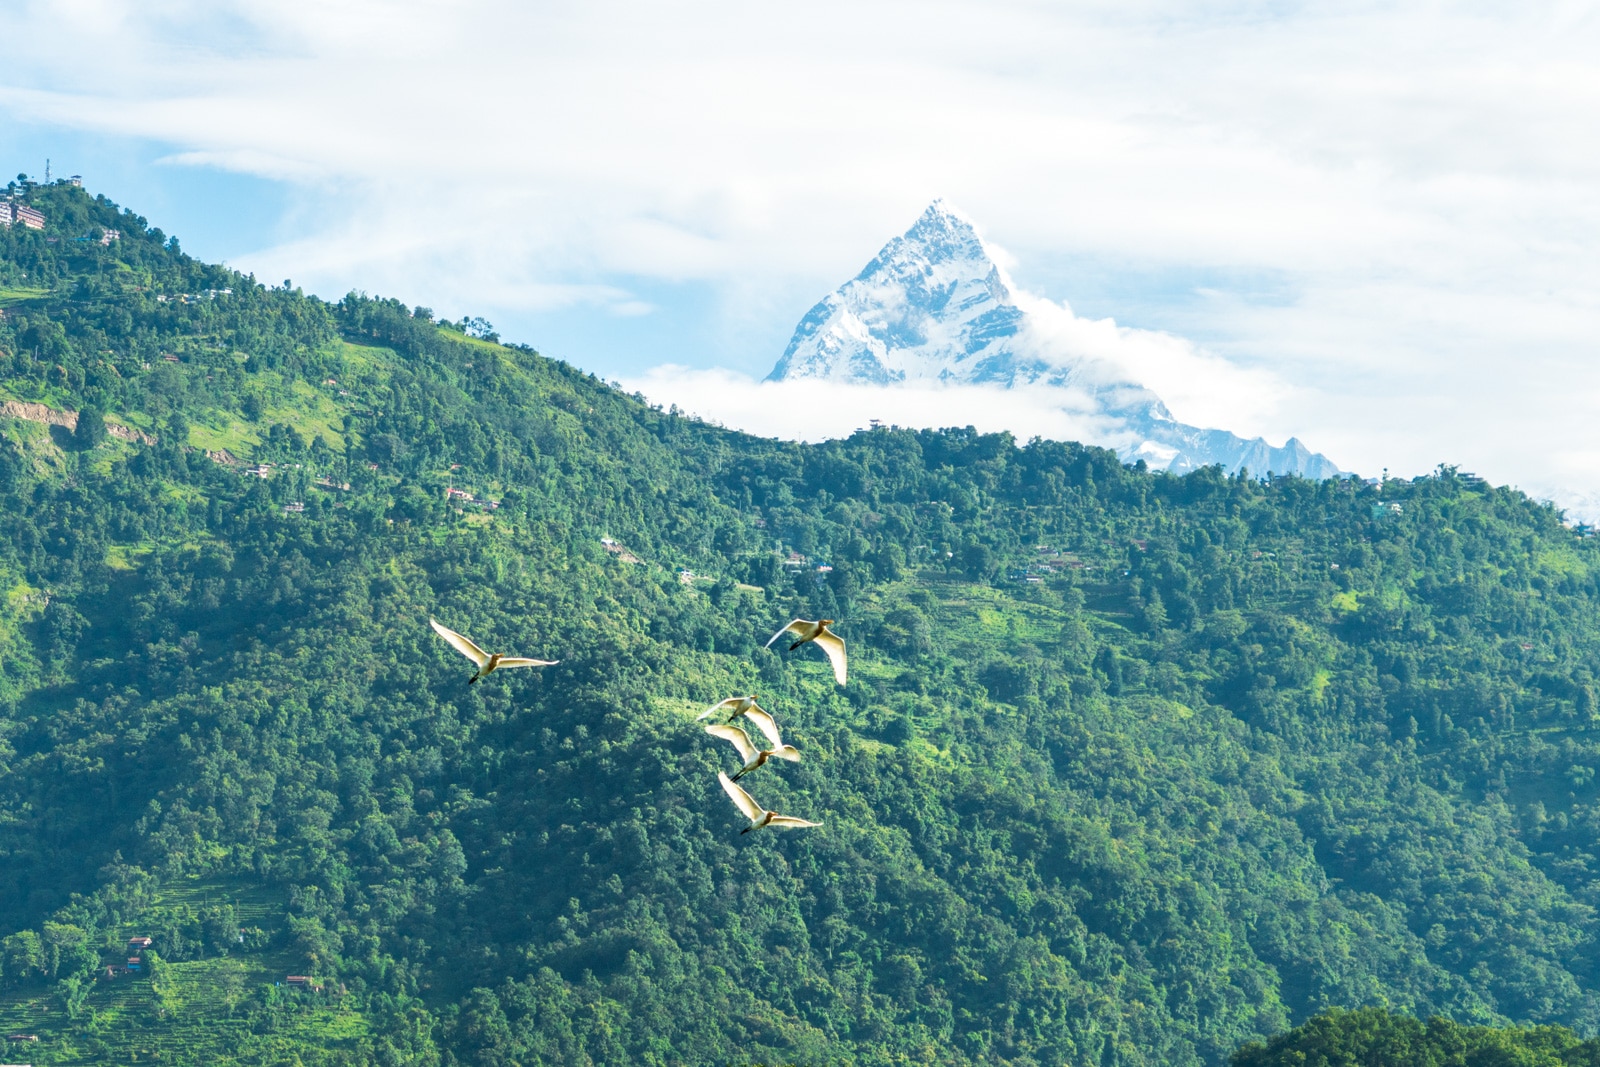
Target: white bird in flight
{"points": [[740, 706], [805, 630], [758, 815], [752, 756], [487, 664]]}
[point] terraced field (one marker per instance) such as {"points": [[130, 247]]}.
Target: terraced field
{"points": [[224, 1009]]}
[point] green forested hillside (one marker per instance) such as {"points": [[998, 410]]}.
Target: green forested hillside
{"points": [[1131, 769], [1372, 1037]]}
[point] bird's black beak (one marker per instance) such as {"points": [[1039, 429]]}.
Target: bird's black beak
{"points": [[747, 829]]}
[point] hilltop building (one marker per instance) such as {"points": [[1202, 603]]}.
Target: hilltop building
{"points": [[12, 211]]}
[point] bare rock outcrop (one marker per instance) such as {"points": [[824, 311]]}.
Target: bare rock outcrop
{"points": [[22, 409], [128, 433]]}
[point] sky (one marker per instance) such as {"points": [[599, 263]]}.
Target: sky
{"points": [[1376, 223]]}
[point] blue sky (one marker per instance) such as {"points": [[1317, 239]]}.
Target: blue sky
{"points": [[224, 215], [1380, 218]]}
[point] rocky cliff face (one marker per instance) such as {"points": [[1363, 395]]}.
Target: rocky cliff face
{"points": [[935, 307]]}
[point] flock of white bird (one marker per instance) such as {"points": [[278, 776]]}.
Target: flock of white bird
{"points": [[803, 631]]}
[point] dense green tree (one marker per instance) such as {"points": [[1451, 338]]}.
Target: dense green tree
{"points": [[90, 431]]}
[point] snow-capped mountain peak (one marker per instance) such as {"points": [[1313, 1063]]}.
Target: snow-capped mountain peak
{"points": [[935, 307], [933, 304]]}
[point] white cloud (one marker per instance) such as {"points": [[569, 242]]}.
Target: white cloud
{"points": [[1419, 177], [816, 410], [1198, 387], [245, 161]]}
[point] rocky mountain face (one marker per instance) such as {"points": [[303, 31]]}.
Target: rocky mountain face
{"points": [[934, 307]]}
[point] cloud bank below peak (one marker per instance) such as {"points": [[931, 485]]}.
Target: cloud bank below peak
{"points": [[820, 410]]}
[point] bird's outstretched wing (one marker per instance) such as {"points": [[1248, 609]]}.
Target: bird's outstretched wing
{"points": [[765, 724], [740, 739], [788, 752], [461, 644], [524, 661], [751, 809], [789, 822], [786, 629], [718, 706], [833, 645]]}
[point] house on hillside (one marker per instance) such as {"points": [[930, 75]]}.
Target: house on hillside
{"points": [[139, 943]]}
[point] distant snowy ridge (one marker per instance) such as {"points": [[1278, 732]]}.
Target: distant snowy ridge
{"points": [[933, 307]]}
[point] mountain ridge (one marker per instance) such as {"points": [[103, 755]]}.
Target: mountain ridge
{"points": [[935, 306]]}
